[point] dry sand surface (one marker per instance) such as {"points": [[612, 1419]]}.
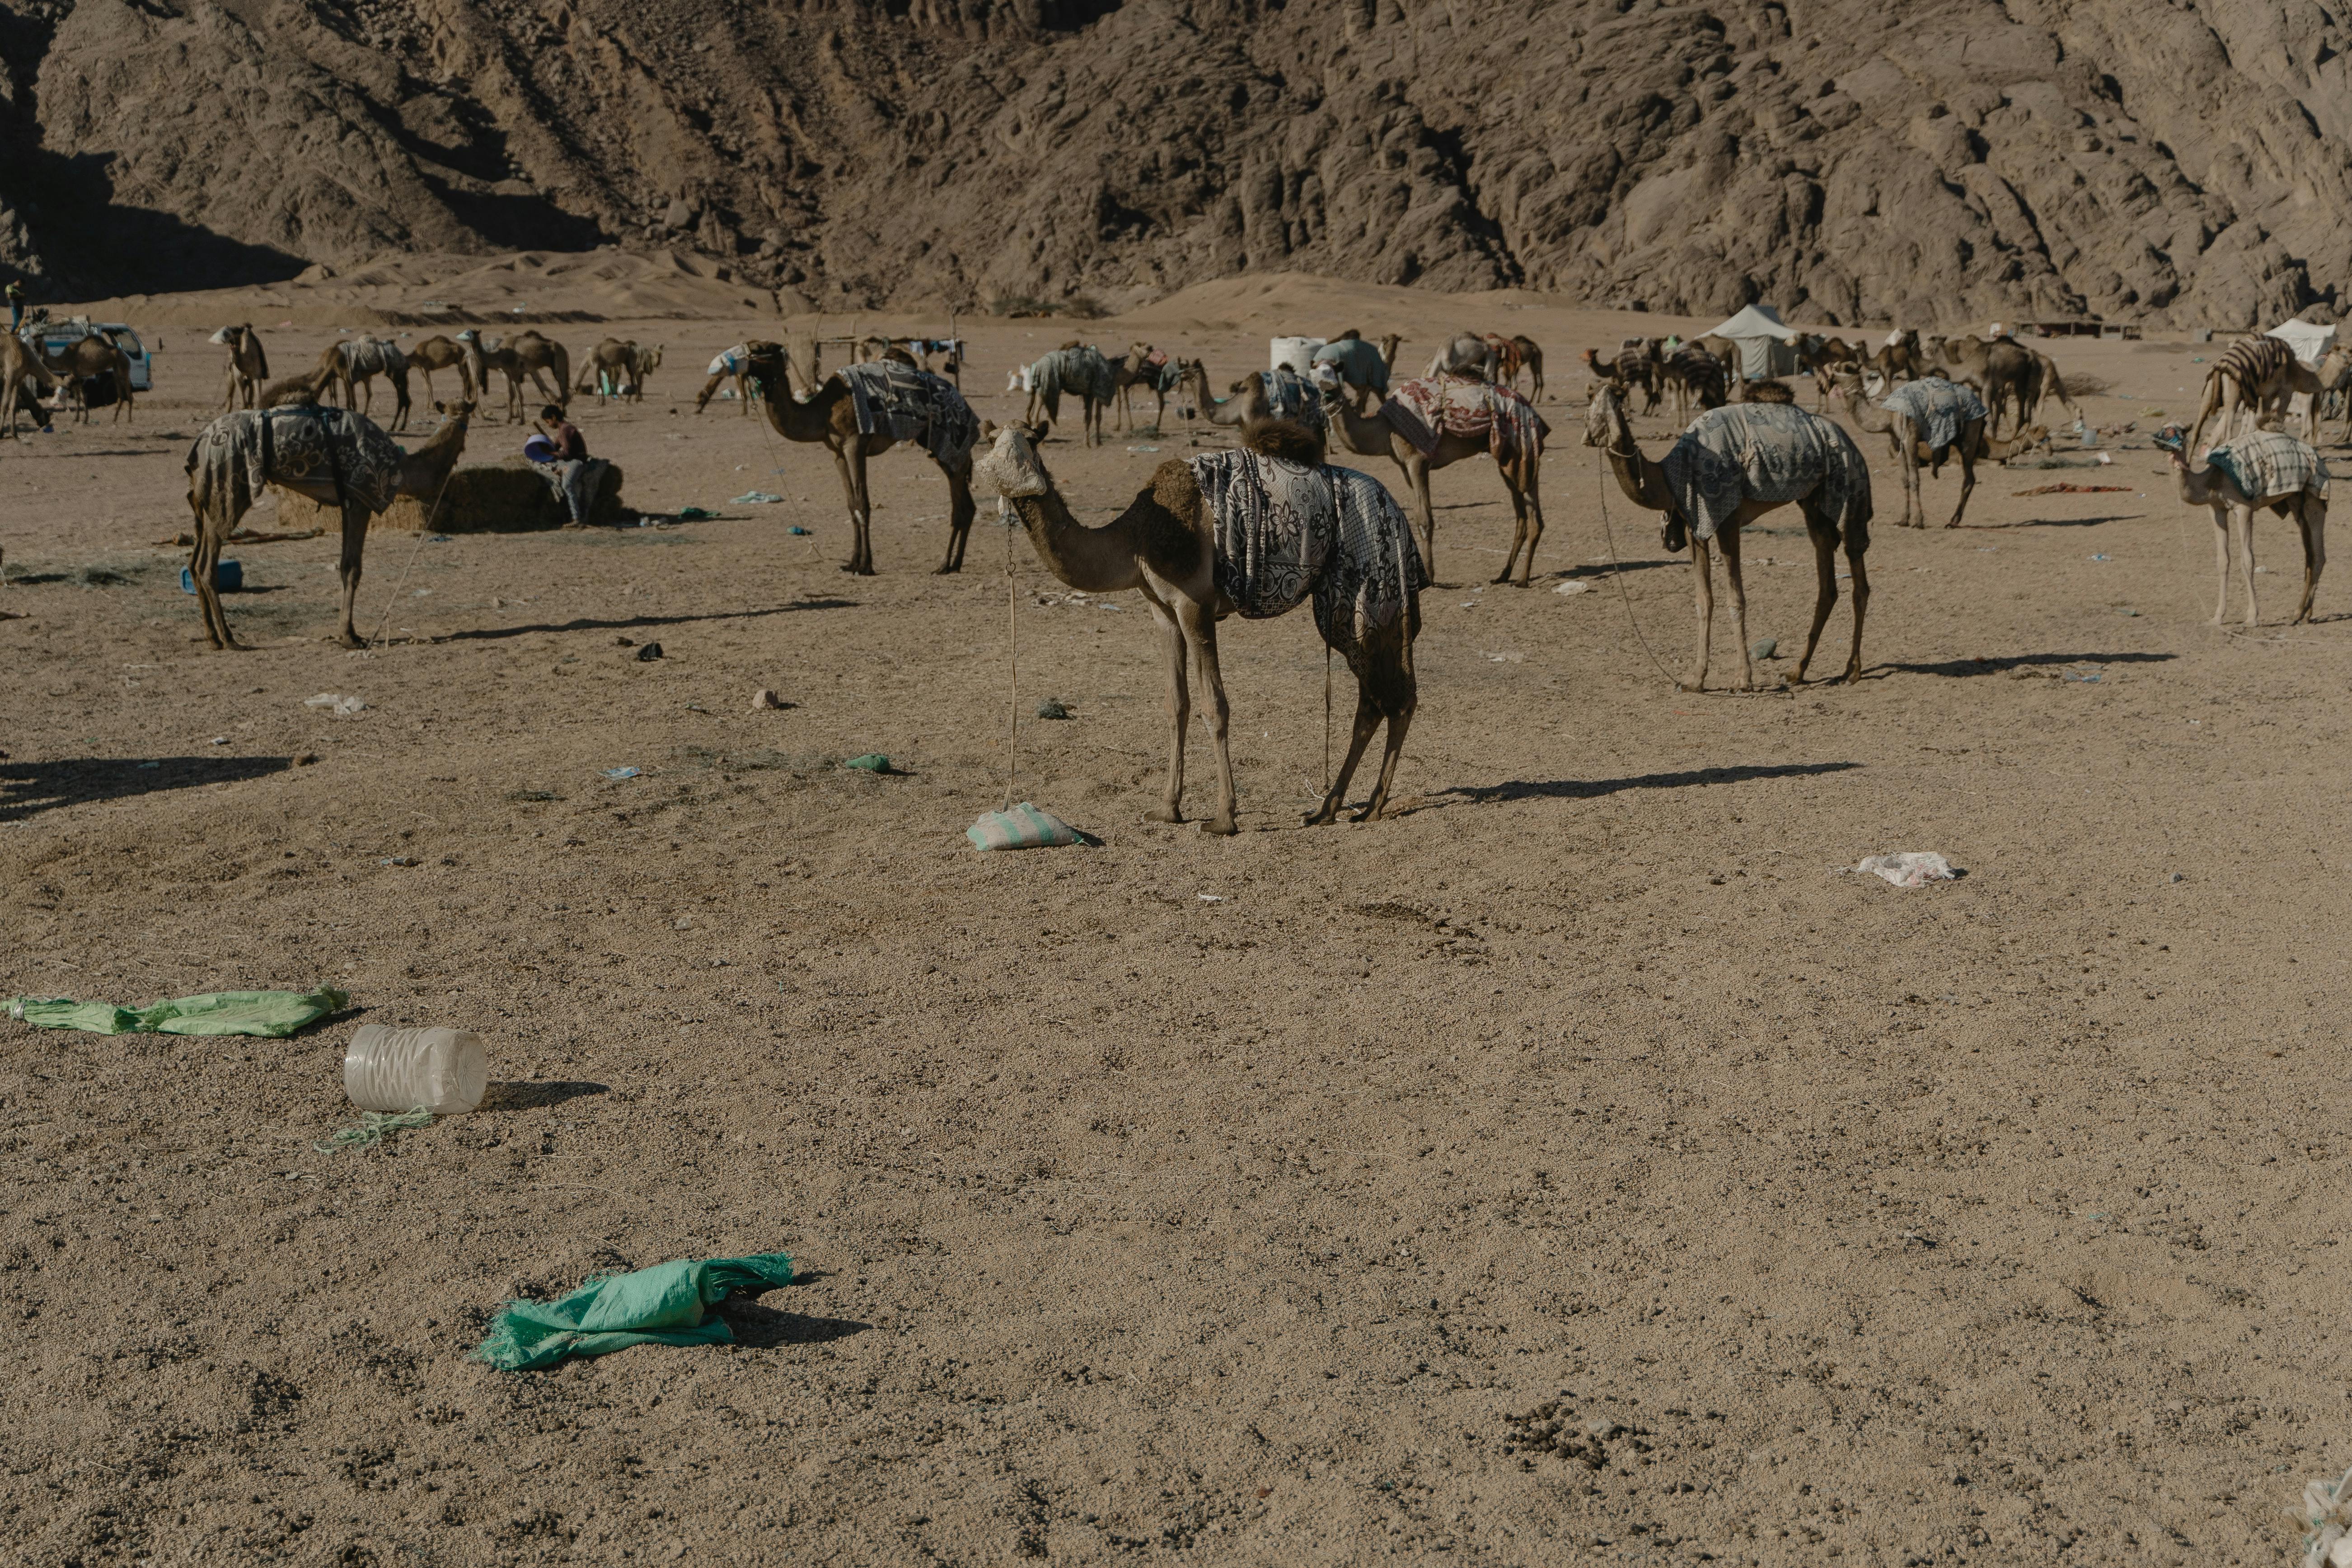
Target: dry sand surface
{"points": [[1577, 1167]]}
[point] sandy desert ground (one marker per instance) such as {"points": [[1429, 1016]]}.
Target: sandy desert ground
{"points": [[1578, 1167]]}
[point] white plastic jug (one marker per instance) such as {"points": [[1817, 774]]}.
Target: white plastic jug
{"points": [[445, 1071], [1296, 355]]}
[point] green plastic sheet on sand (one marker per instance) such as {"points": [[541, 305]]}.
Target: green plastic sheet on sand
{"points": [[276, 1014], [668, 1304]]}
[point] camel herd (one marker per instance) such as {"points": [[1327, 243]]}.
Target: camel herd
{"points": [[1748, 450]]}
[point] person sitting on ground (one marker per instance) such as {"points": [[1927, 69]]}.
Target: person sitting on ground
{"points": [[561, 453]]}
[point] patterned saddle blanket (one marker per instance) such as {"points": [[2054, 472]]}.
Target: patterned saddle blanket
{"points": [[306, 448], [2263, 463], [914, 407], [1285, 531], [1770, 452], [1423, 410], [1938, 409]]}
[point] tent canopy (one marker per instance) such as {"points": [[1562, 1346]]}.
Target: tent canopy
{"points": [[1761, 337], [2308, 340]]}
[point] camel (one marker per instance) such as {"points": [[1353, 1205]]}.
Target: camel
{"points": [[615, 368], [1137, 370], [295, 390], [2043, 383], [334, 456], [829, 418], [2260, 375], [1996, 372], [1505, 357], [437, 352], [1258, 397], [1903, 425], [1695, 377], [1375, 436], [1637, 365], [248, 365], [1081, 372], [499, 357], [1900, 358], [539, 357], [357, 361], [2293, 483], [19, 365], [1166, 544], [1835, 502], [86, 359]]}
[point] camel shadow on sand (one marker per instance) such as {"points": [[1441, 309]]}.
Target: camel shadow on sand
{"points": [[1592, 789], [1960, 668], [28, 789], [583, 624]]}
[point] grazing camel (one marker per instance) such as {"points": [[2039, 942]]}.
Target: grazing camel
{"points": [[615, 368], [1996, 372], [1707, 488], [18, 366], [248, 365], [1505, 357], [1195, 542], [902, 403], [1081, 372], [1912, 418], [2259, 470], [332, 456], [437, 352], [730, 365], [86, 359], [2259, 376], [296, 391], [1438, 421], [2043, 383]]}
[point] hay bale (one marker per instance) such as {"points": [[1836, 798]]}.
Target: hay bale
{"points": [[487, 498]]}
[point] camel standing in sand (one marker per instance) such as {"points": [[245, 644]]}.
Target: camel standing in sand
{"points": [[2289, 473], [1908, 442], [1646, 485], [1999, 372], [1507, 356], [1135, 370], [437, 352], [617, 368], [1697, 378], [19, 365], [1078, 371], [1165, 544], [540, 357], [829, 419], [1374, 437], [2260, 375], [1257, 398], [248, 365], [294, 391], [356, 362], [335, 457], [86, 359]]}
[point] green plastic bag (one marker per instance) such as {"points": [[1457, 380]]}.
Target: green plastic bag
{"points": [[276, 1014], [666, 1304]]}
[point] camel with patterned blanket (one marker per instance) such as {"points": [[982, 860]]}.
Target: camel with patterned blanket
{"points": [[333, 457], [2260, 375], [1819, 469], [356, 362], [851, 422], [1170, 544], [1426, 449], [1259, 397], [2261, 470], [1912, 420]]}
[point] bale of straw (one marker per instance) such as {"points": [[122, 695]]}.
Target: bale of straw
{"points": [[488, 498]]}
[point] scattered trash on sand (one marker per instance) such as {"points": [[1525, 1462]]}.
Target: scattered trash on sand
{"points": [[755, 498], [228, 576], [668, 1304], [1764, 647], [796, 527], [1143, 448], [2326, 1515], [650, 652], [766, 701], [695, 514], [444, 1071], [1050, 708], [1574, 585], [398, 860], [272, 1014], [1909, 868], [622, 772], [372, 1127], [335, 702], [871, 763], [1024, 827]]}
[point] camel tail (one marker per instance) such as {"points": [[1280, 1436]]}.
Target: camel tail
{"points": [[1287, 439]]}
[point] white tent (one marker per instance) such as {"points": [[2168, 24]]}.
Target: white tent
{"points": [[2307, 340], [1762, 339]]}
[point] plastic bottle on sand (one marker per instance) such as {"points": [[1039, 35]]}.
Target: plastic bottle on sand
{"points": [[443, 1070]]}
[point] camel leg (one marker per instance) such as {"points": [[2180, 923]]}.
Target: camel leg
{"points": [[1368, 720], [204, 560], [1824, 590], [1416, 473], [2310, 514], [1527, 501], [1180, 714], [702, 399], [1907, 435], [1970, 434], [1201, 630], [961, 509], [355, 527], [1399, 698], [1727, 541], [1703, 583], [851, 462], [2242, 519], [1861, 605], [2221, 559]]}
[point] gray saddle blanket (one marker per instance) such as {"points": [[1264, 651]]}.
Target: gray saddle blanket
{"points": [[2263, 463], [912, 406], [1285, 531], [1081, 373], [1289, 395], [1938, 409], [306, 448], [1770, 452]]}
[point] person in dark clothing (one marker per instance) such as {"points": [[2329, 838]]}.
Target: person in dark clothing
{"points": [[573, 474], [16, 292]]}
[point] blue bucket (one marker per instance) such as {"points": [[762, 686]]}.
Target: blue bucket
{"points": [[228, 576]]}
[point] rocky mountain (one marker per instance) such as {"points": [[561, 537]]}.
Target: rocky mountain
{"points": [[2185, 161]]}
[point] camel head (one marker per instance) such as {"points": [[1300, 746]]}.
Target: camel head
{"points": [[1603, 413], [1010, 466], [766, 365], [457, 412]]}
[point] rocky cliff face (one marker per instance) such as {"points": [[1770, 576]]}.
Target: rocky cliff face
{"points": [[2181, 161]]}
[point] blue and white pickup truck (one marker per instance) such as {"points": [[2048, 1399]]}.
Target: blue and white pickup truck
{"points": [[51, 338]]}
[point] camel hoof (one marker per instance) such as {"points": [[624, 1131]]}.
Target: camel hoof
{"points": [[948, 570], [1323, 818], [1222, 826], [1164, 813]]}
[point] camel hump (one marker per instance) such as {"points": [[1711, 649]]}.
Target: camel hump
{"points": [[1770, 392], [1286, 438]]}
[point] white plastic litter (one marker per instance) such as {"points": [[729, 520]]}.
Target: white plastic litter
{"points": [[1910, 868], [1575, 585], [336, 703]]}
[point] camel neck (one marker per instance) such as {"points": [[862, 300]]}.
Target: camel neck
{"points": [[798, 421], [1092, 559]]}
